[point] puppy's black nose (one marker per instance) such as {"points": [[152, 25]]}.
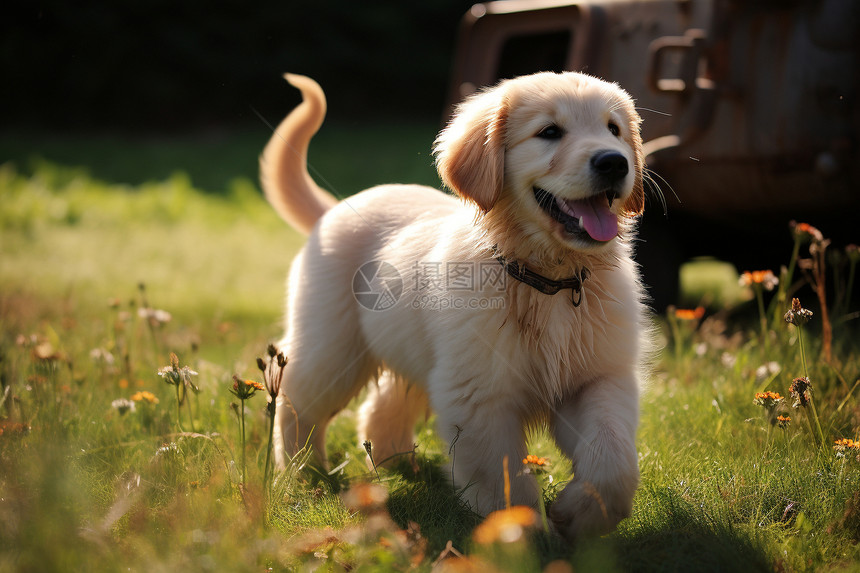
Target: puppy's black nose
{"points": [[610, 166]]}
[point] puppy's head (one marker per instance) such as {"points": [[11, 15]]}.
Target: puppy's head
{"points": [[562, 152]]}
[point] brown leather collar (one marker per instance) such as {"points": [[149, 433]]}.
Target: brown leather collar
{"points": [[544, 284]]}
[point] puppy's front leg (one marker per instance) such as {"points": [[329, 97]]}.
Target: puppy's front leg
{"points": [[596, 428], [479, 439]]}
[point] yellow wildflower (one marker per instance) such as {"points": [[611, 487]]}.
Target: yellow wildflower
{"points": [[145, 396]]}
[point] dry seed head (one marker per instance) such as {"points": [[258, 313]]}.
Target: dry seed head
{"points": [[797, 315], [801, 391]]}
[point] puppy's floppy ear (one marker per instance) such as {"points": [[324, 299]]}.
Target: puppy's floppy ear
{"points": [[470, 152], [635, 203]]}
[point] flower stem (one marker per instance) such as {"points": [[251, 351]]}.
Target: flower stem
{"points": [[676, 336], [817, 423], [806, 373], [190, 416], [848, 396], [269, 448], [802, 352], [762, 316], [769, 433], [178, 410], [242, 428]]}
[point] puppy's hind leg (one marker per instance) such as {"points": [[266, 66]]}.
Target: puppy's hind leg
{"points": [[387, 416], [328, 357], [315, 388], [328, 365]]}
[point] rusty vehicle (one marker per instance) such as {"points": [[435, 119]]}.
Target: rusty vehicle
{"points": [[749, 106]]}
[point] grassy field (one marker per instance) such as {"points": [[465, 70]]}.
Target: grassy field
{"points": [[159, 247]]}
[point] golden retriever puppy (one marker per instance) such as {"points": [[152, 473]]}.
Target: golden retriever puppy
{"points": [[515, 305]]}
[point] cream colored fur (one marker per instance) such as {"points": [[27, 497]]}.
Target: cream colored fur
{"points": [[489, 371]]}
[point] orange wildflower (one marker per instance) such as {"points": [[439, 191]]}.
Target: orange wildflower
{"points": [[690, 314], [534, 460], [365, 498], [506, 525], [805, 231], [16, 429], [244, 389], [847, 447], [847, 443], [765, 278], [463, 564], [767, 399]]}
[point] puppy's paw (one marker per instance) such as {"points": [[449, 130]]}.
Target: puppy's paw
{"points": [[582, 511]]}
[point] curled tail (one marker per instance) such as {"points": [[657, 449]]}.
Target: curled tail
{"points": [[283, 164]]}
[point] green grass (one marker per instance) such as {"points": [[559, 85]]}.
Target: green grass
{"points": [[85, 487]]}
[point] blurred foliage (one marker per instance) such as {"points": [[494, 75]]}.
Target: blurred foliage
{"points": [[159, 64], [349, 156]]}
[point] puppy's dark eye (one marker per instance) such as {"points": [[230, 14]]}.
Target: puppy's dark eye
{"points": [[551, 132], [614, 129]]}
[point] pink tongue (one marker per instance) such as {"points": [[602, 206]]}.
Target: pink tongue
{"points": [[599, 222]]}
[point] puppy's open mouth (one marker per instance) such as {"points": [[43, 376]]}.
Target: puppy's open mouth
{"points": [[588, 218]]}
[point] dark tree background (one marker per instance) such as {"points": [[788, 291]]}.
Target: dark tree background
{"points": [[167, 65]]}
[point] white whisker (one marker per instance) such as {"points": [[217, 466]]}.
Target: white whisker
{"points": [[653, 177], [658, 112]]}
